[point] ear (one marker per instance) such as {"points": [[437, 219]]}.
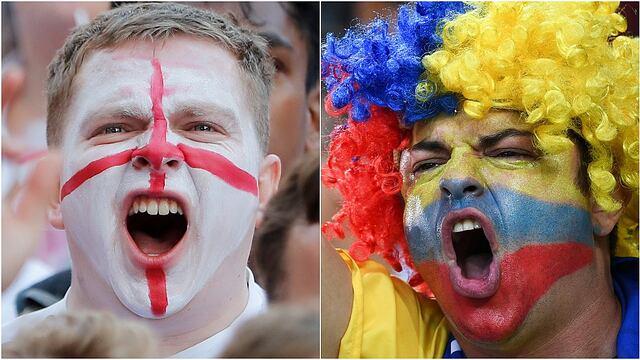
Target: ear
{"points": [[54, 212], [55, 215], [604, 221], [54, 208], [312, 137], [268, 181]]}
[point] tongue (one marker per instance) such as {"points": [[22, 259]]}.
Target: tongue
{"points": [[476, 266], [150, 245]]}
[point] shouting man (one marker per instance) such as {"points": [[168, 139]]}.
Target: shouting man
{"points": [[492, 151], [161, 114]]}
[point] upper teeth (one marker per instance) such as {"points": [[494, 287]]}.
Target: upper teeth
{"points": [[465, 225], [155, 206]]}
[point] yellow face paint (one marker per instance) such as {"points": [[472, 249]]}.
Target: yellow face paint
{"points": [[513, 162]]}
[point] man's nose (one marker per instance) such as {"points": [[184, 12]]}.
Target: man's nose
{"points": [[166, 157], [457, 189]]}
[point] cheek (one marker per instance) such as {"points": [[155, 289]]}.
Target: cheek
{"points": [[226, 213], [89, 218], [527, 220], [421, 230], [220, 167]]}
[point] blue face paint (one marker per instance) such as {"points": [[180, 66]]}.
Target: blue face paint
{"points": [[518, 220]]}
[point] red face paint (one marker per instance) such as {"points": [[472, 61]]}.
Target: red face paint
{"points": [[220, 167], [94, 168], [157, 284], [526, 275], [158, 148], [156, 181], [155, 152]]}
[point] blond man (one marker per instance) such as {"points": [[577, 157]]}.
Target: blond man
{"points": [[161, 114]]}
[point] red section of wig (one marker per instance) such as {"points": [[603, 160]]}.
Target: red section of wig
{"points": [[362, 167]]}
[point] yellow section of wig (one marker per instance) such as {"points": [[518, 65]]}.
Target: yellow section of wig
{"points": [[557, 63]]}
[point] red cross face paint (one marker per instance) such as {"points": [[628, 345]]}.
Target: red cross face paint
{"points": [[160, 174], [492, 224]]}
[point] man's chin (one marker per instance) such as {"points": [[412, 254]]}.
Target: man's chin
{"points": [[140, 297]]}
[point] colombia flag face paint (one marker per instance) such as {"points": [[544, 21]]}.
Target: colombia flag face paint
{"points": [[160, 187], [492, 223]]}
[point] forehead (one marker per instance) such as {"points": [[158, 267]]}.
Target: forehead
{"points": [[179, 54], [463, 128], [193, 70]]}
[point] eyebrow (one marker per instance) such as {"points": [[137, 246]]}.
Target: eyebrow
{"points": [[196, 109], [119, 111], [491, 140], [276, 40], [429, 145]]}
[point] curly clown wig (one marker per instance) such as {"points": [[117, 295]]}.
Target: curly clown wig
{"points": [[563, 65]]}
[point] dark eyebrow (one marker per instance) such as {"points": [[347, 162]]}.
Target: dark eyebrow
{"points": [[491, 140], [196, 109], [117, 111], [429, 145], [276, 40]]}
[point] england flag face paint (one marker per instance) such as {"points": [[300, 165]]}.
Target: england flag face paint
{"points": [[493, 224], [160, 179]]}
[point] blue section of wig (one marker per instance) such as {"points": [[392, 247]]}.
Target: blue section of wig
{"points": [[371, 66]]}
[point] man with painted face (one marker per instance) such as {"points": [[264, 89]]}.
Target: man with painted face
{"points": [[492, 152], [161, 113], [291, 30]]}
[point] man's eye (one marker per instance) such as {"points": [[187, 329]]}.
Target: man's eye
{"points": [[203, 127], [279, 65], [513, 154], [114, 129], [426, 166]]}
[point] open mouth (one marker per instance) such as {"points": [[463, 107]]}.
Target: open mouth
{"points": [[473, 252], [156, 225], [469, 240]]}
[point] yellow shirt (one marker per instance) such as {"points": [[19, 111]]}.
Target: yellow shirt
{"points": [[389, 319]]}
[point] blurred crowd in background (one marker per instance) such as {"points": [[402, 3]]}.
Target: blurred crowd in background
{"points": [[285, 253]]}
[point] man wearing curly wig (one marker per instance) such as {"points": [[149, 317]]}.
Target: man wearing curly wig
{"points": [[491, 151]]}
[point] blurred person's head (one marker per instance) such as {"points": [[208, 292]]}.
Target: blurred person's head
{"points": [[287, 248], [37, 31], [292, 30], [285, 331], [82, 335], [161, 113]]}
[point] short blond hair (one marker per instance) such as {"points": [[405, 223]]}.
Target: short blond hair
{"points": [[159, 21], [82, 335]]}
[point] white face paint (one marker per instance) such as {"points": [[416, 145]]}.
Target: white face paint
{"points": [[198, 88]]}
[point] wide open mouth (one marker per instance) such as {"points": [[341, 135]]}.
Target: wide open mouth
{"points": [[156, 225], [469, 243], [472, 249]]}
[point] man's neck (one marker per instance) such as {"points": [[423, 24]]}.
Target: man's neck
{"points": [[210, 311], [586, 326]]}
